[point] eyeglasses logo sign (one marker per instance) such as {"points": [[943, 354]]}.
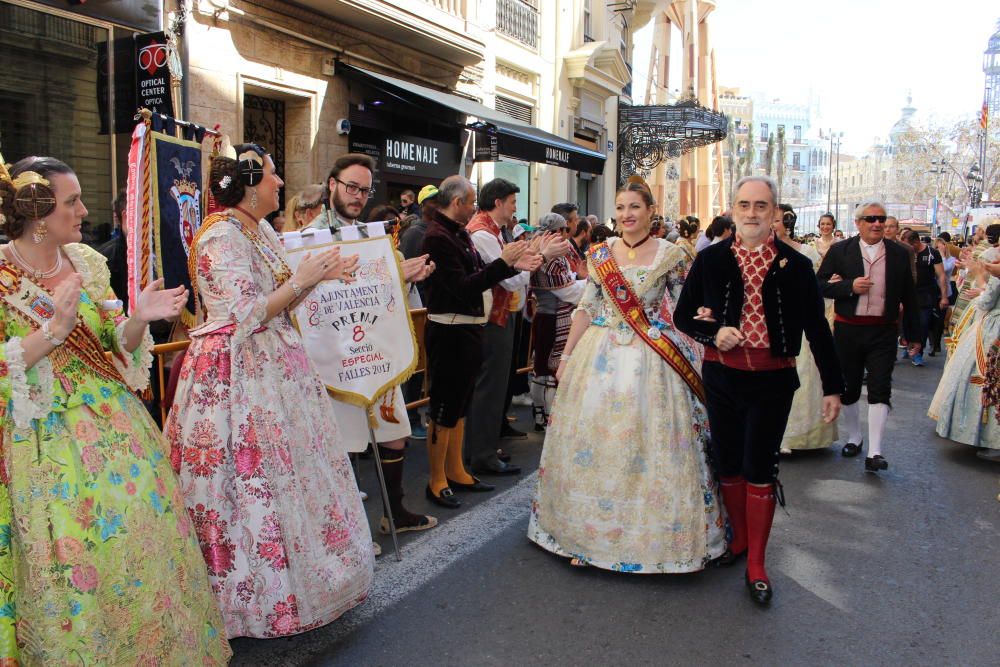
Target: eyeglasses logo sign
{"points": [[153, 57]]}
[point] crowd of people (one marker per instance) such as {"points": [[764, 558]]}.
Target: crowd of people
{"points": [[669, 374]]}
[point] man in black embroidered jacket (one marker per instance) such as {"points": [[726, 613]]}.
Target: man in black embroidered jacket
{"points": [[748, 300]]}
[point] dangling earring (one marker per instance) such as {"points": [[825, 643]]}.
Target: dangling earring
{"points": [[253, 198], [41, 229]]}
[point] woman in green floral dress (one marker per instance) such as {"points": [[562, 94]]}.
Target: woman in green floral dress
{"points": [[98, 560]]}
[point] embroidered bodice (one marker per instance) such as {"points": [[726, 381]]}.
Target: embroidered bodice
{"points": [[61, 380], [650, 283]]}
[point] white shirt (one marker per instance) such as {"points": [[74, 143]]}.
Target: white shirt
{"points": [[870, 250], [489, 250]]}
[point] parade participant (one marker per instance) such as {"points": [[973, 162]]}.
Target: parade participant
{"points": [[827, 225], [931, 286], [806, 427], [458, 304], [260, 457], [556, 292], [350, 185], [628, 487], [869, 278], [486, 417], [87, 495], [749, 299], [305, 206], [966, 404], [688, 229]]}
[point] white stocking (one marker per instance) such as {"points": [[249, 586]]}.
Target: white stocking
{"points": [[878, 414], [852, 422]]}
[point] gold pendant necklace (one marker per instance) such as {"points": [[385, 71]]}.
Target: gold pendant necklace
{"points": [[631, 254]]}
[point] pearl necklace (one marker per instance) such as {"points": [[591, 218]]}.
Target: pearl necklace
{"points": [[36, 274]]}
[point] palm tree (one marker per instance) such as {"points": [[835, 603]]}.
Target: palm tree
{"points": [[781, 158], [750, 154]]}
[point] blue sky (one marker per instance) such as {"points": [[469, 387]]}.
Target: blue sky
{"points": [[856, 58]]}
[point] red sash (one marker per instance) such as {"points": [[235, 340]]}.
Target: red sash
{"points": [[620, 293]]}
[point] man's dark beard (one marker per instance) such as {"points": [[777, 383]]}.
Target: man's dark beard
{"points": [[340, 210]]}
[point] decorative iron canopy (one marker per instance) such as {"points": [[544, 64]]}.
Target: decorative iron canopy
{"points": [[648, 135]]}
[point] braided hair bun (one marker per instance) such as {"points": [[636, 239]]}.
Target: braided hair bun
{"points": [[28, 195], [229, 178]]}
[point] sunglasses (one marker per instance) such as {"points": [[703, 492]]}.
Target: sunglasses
{"points": [[873, 218]]}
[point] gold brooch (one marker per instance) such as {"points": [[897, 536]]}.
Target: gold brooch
{"points": [[782, 262]]}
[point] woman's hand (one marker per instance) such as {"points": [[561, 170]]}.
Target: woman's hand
{"points": [[560, 370], [156, 303], [67, 303], [417, 269], [324, 265], [343, 268]]}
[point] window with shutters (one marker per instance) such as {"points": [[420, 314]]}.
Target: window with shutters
{"points": [[516, 110]]}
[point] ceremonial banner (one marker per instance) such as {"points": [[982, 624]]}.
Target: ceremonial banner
{"points": [[177, 208], [163, 211], [359, 336]]}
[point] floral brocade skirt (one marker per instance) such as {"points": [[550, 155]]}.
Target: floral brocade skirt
{"points": [[98, 559], [624, 482]]}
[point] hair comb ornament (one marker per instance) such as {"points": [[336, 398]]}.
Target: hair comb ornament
{"points": [[251, 168], [225, 182], [33, 196]]}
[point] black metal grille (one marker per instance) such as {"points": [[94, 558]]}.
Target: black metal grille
{"points": [[264, 124], [648, 135]]}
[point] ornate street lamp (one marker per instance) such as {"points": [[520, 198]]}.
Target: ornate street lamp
{"points": [[974, 183]]}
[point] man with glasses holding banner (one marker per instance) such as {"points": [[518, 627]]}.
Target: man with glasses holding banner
{"points": [[349, 185], [868, 279]]}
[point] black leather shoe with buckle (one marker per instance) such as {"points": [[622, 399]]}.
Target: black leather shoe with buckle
{"points": [[876, 463], [851, 449], [477, 485], [760, 590], [445, 499]]}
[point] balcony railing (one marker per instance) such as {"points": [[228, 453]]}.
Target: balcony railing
{"points": [[517, 19], [454, 7]]}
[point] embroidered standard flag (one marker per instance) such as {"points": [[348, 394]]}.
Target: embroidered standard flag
{"points": [[163, 211]]}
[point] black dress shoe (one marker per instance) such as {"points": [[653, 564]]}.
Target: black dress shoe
{"points": [[511, 433], [503, 456], [760, 590], [446, 499], [876, 463], [477, 485], [496, 467], [728, 558], [851, 450]]}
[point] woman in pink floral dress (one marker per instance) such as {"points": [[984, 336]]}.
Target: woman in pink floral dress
{"points": [[272, 494]]}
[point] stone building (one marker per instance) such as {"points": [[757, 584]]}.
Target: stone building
{"points": [[523, 89]]}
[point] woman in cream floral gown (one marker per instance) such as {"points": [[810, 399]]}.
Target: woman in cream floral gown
{"points": [[272, 494], [624, 483], [806, 428]]}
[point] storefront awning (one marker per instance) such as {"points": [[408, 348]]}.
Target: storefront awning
{"points": [[496, 134]]}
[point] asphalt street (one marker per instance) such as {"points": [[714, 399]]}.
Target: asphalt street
{"points": [[894, 569]]}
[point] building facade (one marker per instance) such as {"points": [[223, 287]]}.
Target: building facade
{"points": [[441, 79]]}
